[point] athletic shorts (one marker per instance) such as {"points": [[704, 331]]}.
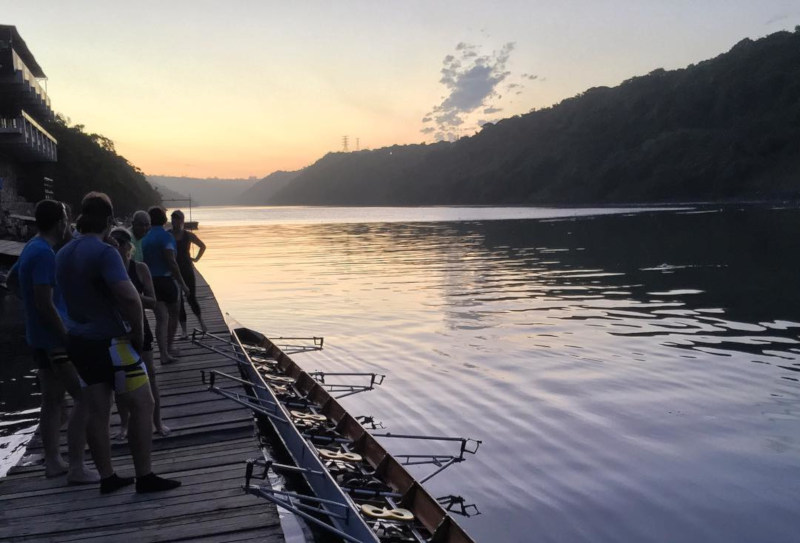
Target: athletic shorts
{"points": [[48, 358], [110, 361], [166, 289]]}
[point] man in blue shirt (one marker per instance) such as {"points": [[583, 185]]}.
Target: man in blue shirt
{"points": [[159, 251], [105, 338], [34, 274]]}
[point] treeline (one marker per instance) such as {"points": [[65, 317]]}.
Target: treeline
{"points": [[89, 162], [724, 129]]}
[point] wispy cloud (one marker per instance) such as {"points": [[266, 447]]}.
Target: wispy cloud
{"points": [[471, 79]]}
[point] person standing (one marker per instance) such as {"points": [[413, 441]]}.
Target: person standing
{"points": [[140, 226], [183, 241], [34, 274], [105, 338], [159, 250], [139, 275]]}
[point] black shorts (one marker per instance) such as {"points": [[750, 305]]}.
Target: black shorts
{"points": [[95, 364], [47, 358], [166, 289]]}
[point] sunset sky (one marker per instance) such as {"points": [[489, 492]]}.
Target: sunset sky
{"points": [[244, 88]]}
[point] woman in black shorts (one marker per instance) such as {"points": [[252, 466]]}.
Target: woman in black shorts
{"points": [[184, 240], [140, 277]]}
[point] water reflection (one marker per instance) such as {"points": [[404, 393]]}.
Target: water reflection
{"points": [[628, 371]]}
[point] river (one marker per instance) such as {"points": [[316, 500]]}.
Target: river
{"points": [[632, 374]]}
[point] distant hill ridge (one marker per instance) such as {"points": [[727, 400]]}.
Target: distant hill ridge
{"points": [[724, 129], [203, 191]]}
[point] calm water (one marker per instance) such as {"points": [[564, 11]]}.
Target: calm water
{"points": [[633, 375]]}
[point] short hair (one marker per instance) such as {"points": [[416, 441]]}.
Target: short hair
{"points": [[141, 216], [178, 214], [158, 217], [96, 210], [47, 214]]}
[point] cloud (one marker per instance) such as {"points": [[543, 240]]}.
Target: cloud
{"points": [[490, 111], [471, 79]]}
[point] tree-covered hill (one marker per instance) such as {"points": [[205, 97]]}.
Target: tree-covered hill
{"points": [[89, 162], [724, 129], [263, 190]]}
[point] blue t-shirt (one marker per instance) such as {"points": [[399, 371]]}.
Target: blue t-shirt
{"points": [[153, 245], [85, 270], [37, 266]]}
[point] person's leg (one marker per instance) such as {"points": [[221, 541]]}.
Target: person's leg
{"points": [[160, 427], [78, 422], [140, 429], [50, 422], [162, 326], [192, 299], [182, 317], [172, 327], [124, 419], [133, 389], [98, 401]]}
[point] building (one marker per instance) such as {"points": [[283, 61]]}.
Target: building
{"points": [[28, 152]]}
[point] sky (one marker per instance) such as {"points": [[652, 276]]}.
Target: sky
{"points": [[242, 88]]}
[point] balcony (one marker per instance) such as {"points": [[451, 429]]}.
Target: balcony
{"points": [[24, 139], [20, 88]]}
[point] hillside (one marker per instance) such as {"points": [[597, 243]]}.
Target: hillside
{"points": [[266, 188], [89, 162], [204, 192], [724, 129]]}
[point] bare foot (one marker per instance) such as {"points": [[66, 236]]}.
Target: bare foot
{"points": [[55, 468], [82, 476], [163, 430]]}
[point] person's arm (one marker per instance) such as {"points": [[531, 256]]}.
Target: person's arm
{"points": [[43, 300], [169, 254], [126, 297], [130, 307], [197, 241], [149, 295]]}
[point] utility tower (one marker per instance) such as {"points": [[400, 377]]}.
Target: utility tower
{"points": [[344, 144]]}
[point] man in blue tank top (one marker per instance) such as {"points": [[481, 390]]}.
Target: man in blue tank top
{"points": [[45, 332], [159, 250]]}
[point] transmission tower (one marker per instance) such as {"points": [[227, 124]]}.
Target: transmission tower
{"points": [[344, 144]]}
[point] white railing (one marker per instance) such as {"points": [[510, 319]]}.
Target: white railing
{"points": [[28, 77], [34, 136]]}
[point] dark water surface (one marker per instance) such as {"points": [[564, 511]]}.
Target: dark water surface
{"points": [[633, 376]]}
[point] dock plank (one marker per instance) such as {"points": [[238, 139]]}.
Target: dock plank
{"points": [[210, 441]]}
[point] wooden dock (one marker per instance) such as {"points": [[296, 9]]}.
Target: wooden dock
{"points": [[210, 440]]}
